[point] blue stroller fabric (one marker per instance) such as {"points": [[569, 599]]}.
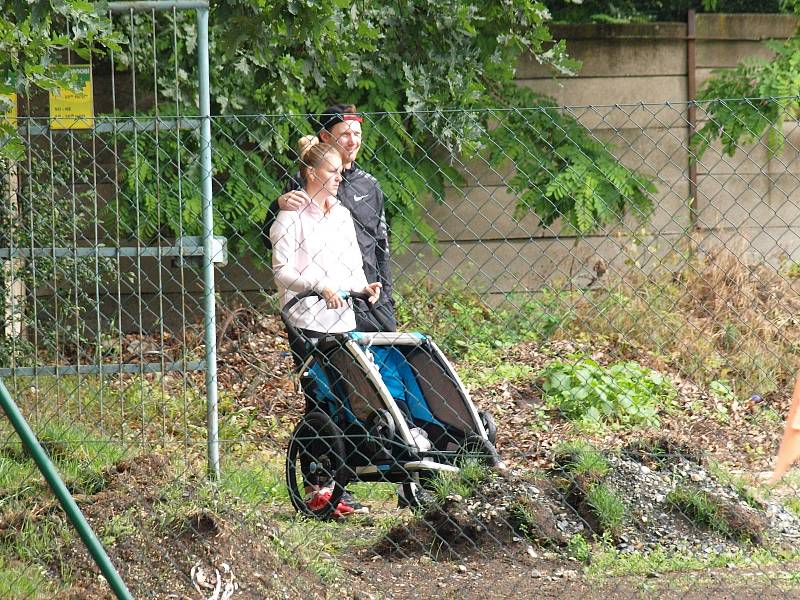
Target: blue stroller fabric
{"points": [[399, 378], [324, 393], [397, 375]]}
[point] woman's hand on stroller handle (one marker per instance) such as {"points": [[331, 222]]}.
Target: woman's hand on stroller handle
{"points": [[338, 299], [372, 290], [333, 298]]}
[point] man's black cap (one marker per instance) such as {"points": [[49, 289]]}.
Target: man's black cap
{"points": [[338, 113]]}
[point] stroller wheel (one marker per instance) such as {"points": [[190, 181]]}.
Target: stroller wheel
{"points": [[489, 425], [414, 493], [482, 449], [314, 466]]}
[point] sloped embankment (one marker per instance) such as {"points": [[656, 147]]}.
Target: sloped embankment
{"points": [[653, 495]]}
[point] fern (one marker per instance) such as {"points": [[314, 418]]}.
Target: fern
{"points": [[561, 171], [751, 102]]}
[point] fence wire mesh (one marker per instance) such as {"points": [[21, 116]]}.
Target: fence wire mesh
{"points": [[597, 308]]}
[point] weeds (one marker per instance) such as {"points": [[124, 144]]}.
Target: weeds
{"points": [[579, 549], [119, 527], [466, 327], [624, 394], [477, 376], [713, 318]]}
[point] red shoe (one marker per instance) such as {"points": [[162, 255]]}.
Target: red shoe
{"points": [[320, 498], [342, 511]]}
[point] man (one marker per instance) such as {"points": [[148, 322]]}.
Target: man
{"points": [[360, 193]]}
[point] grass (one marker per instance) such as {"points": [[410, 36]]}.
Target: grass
{"points": [[739, 485], [80, 459], [699, 508], [607, 506], [312, 545], [581, 458], [607, 562], [702, 509], [25, 580], [257, 483], [465, 483], [40, 536], [793, 505]]}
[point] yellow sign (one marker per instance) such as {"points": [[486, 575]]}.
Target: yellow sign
{"points": [[8, 114], [8, 102], [74, 109]]}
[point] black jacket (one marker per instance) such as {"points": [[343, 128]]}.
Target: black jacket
{"points": [[361, 194]]}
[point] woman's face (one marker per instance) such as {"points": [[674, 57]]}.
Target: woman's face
{"points": [[329, 173]]}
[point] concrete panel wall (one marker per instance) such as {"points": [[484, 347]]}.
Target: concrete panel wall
{"points": [[631, 93]]}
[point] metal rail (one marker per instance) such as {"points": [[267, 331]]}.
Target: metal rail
{"points": [[112, 369], [150, 5], [191, 246]]}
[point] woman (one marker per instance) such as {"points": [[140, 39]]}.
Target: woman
{"points": [[316, 248]]}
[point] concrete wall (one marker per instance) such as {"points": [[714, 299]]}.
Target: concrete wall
{"points": [[632, 93]]}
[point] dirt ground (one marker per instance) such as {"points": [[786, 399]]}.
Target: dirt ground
{"points": [[196, 551]]}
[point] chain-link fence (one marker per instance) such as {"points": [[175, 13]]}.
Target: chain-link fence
{"points": [[597, 345]]}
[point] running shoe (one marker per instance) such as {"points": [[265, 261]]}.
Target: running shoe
{"points": [[319, 498], [356, 506]]}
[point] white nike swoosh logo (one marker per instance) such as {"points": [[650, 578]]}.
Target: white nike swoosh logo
{"points": [[358, 198]]}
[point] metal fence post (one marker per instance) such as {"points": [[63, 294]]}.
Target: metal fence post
{"points": [[208, 244], [61, 492]]}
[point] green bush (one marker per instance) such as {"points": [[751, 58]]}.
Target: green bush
{"points": [[624, 393]]}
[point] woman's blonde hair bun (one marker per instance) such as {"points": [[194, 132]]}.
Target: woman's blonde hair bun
{"points": [[305, 143]]}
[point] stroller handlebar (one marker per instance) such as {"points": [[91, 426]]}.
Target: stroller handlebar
{"points": [[310, 293]]}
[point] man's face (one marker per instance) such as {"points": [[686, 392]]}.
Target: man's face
{"points": [[346, 137]]}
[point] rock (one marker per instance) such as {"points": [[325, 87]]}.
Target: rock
{"points": [[566, 574]]}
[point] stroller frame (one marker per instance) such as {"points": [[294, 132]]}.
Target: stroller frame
{"points": [[357, 430]]}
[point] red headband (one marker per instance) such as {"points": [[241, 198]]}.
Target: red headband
{"points": [[352, 118]]}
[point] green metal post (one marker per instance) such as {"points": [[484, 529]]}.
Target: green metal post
{"points": [[65, 499], [212, 423]]}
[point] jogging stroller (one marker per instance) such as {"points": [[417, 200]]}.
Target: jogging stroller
{"points": [[379, 407]]}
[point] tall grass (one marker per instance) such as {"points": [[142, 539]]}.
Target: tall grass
{"points": [[717, 317]]}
